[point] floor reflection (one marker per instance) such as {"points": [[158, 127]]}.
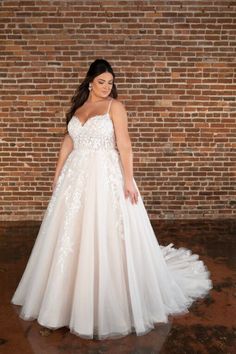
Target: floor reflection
{"points": [[209, 327]]}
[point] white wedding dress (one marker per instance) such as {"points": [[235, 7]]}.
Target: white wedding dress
{"points": [[96, 265]]}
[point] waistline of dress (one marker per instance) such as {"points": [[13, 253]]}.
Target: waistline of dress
{"points": [[94, 150]]}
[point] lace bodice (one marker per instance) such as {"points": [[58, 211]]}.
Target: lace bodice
{"points": [[97, 133]]}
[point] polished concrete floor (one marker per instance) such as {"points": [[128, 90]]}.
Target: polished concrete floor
{"points": [[209, 327]]}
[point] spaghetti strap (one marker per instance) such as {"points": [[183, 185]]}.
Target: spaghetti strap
{"points": [[109, 106]]}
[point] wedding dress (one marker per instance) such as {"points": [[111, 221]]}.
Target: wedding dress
{"points": [[96, 265]]}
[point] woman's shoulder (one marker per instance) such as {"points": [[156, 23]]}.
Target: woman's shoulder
{"points": [[117, 109], [117, 104]]}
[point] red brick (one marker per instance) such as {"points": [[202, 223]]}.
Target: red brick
{"points": [[175, 73]]}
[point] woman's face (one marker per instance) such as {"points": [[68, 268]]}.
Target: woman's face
{"points": [[102, 85]]}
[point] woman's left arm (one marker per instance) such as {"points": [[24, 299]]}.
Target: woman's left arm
{"points": [[119, 118]]}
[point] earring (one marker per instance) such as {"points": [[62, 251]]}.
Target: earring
{"points": [[90, 87]]}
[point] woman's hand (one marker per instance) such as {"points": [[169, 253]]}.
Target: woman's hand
{"points": [[131, 191]]}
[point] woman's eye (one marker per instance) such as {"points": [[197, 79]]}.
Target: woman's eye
{"points": [[110, 83]]}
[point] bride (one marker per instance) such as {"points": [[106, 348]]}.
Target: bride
{"points": [[96, 266]]}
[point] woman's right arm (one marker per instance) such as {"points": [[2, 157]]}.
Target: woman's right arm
{"points": [[65, 149]]}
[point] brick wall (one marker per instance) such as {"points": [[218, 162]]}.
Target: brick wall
{"points": [[175, 67]]}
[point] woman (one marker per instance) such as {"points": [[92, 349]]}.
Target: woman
{"points": [[96, 265]]}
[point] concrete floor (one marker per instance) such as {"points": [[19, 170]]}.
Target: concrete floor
{"points": [[209, 327]]}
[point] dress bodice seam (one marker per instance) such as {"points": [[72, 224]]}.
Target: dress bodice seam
{"points": [[97, 115]]}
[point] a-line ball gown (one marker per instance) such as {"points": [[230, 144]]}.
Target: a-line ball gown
{"points": [[96, 265]]}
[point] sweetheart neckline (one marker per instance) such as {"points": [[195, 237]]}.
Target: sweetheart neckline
{"points": [[97, 115]]}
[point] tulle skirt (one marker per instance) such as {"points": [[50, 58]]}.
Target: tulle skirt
{"points": [[96, 265]]}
